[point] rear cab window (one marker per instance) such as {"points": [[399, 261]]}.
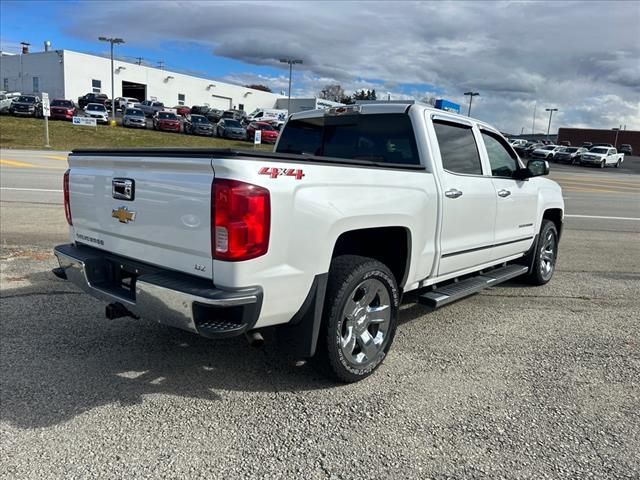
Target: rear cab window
{"points": [[458, 148], [385, 138]]}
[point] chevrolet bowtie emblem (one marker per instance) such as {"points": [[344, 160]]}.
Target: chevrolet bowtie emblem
{"points": [[123, 215]]}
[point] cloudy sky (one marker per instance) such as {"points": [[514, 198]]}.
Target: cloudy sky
{"points": [[580, 57]]}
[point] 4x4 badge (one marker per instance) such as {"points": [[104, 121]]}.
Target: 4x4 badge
{"points": [[123, 215]]}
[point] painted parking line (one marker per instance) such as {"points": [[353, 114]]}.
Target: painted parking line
{"points": [[15, 189], [19, 164], [599, 217], [15, 163]]}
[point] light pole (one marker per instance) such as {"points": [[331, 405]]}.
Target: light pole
{"points": [[117, 41], [291, 62], [471, 95], [550, 110]]}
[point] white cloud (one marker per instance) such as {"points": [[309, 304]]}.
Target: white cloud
{"points": [[581, 57]]}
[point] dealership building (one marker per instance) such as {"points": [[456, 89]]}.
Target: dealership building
{"points": [[68, 74]]}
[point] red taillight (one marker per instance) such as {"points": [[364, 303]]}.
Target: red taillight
{"points": [[240, 220], [67, 205]]}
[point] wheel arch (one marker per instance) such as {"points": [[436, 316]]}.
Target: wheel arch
{"points": [[556, 216], [390, 245]]}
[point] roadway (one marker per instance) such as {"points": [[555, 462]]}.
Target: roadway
{"points": [[515, 382], [31, 183]]}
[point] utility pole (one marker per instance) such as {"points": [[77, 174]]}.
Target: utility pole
{"points": [[112, 41], [550, 110], [161, 64], [533, 124], [291, 63], [139, 60], [471, 95]]}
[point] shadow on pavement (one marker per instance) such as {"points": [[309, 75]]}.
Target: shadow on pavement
{"points": [[61, 358]]}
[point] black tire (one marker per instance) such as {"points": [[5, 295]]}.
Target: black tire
{"points": [[603, 164], [619, 164], [539, 275], [349, 275]]}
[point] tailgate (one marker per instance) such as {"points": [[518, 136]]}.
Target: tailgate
{"points": [[166, 219]]}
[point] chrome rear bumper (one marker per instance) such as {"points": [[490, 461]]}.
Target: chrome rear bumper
{"points": [[171, 298]]}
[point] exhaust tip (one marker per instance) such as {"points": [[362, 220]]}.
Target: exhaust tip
{"points": [[255, 339]]}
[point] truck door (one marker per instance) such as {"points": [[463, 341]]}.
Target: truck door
{"points": [[517, 200], [469, 201]]}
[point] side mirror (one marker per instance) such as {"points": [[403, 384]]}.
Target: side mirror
{"points": [[535, 168]]}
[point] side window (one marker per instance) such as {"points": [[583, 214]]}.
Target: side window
{"points": [[458, 148], [502, 160]]}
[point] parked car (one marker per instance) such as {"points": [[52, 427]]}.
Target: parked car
{"points": [[530, 147], [5, 100], [151, 107], [626, 149], [547, 152], [602, 157], [565, 143], [63, 109], [587, 144], [134, 118], [88, 98], [97, 111], [122, 103], [308, 246], [607, 145], [570, 155], [198, 125], [238, 115], [182, 110], [199, 109], [229, 128], [166, 121], [27, 105], [214, 115], [268, 135], [514, 142]]}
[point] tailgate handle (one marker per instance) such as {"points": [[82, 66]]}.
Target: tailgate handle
{"points": [[123, 188]]}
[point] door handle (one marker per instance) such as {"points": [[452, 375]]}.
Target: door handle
{"points": [[453, 193], [504, 193]]}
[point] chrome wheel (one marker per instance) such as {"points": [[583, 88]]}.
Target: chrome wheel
{"points": [[366, 318], [548, 255]]}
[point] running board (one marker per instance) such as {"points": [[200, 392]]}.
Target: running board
{"points": [[455, 291]]}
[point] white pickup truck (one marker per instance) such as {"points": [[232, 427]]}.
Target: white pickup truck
{"points": [[602, 157], [356, 207]]}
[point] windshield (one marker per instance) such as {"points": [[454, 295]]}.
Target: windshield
{"points": [[167, 116], [62, 103], [547, 148], [134, 112], [96, 108], [199, 119], [26, 99], [232, 124], [265, 127], [375, 137], [570, 150], [598, 150]]}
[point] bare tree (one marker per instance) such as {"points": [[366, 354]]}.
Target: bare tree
{"points": [[335, 93]]}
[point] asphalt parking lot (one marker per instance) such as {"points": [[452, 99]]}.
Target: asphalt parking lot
{"points": [[515, 382]]}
